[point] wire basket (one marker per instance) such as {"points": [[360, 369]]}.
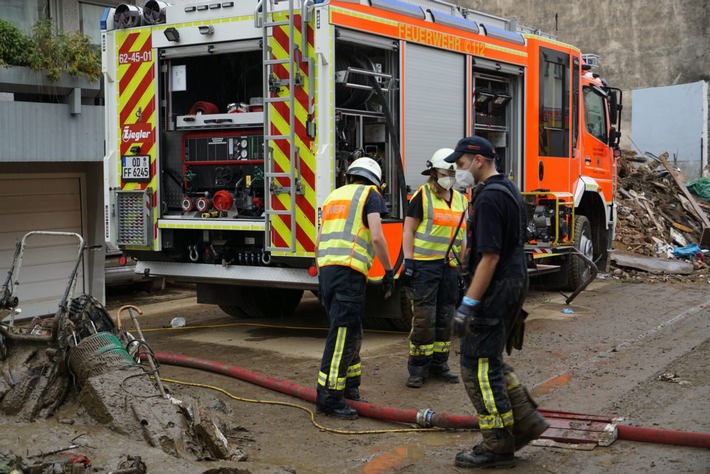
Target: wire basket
{"points": [[98, 354]]}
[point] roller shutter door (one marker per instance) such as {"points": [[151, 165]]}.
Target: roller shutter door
{"points": [[434, 106], [41, 202]]}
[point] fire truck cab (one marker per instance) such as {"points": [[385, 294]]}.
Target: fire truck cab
{"points": [[229, 122]]}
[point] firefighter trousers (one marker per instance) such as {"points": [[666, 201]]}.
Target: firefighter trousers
{"points": [[432, 296], [342, 292], [482, 367]]}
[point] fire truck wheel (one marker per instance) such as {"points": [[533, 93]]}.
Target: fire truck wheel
{"points": [[404, 322], [578, 271], [263, 302], [401, 324], [400, 320]]}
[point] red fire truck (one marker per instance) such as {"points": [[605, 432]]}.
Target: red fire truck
{"points": [[229, 122]]}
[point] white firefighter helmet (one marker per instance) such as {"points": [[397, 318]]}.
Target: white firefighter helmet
{"points": [[437, 161], [366, 168]]}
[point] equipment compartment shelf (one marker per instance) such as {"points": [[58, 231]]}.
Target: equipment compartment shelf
{"points": [[246, 119]]}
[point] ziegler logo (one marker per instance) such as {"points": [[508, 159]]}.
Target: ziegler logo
{"points": [[136, 133]]}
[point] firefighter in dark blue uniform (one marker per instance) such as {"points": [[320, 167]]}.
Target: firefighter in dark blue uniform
{"points": [[350, 237], [491, 310]]}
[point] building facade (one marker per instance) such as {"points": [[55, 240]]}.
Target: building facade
{"points": [[51, 164]]}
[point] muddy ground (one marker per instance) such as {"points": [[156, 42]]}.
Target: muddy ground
{"points": [[639, 352]]}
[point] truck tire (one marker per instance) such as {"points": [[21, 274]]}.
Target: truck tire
{"points": [[257, 303], [387, 314], [577, 270], [404, 322]]}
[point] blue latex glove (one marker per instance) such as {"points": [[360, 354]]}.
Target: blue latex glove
{"points": [[388, 283], [463, 316], [407, 272]]}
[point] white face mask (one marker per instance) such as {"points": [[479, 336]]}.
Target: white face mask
{"points": [[464, 178], [446, 182]]}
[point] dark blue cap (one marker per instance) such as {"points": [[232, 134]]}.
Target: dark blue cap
{"points": [[475, 146]]}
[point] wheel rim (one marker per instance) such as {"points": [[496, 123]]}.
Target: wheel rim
{"points": [[587, 249]]}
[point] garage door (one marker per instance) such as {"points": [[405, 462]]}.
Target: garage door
{"points": [[48, 203]]}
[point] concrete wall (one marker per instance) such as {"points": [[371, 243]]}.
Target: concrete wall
{"points": [[69, 10], [642, 43]]}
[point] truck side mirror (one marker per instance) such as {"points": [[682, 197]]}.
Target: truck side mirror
{"points": [[613, 107], [614, 136]]}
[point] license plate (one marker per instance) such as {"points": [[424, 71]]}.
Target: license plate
{"points": [[136, 168]]}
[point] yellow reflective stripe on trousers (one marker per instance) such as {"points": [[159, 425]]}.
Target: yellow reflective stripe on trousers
{"points": [[494, 419], [334, 383], [354, 370], [323, 381], [512, 380], [442, 347], [423, 350]]}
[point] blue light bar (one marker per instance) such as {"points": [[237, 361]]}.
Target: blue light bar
{"points": [[399, 7], [104, 18], [454, 21], [505, 35]]}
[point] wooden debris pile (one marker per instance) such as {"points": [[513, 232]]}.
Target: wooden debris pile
{"points": [[656, 213], [652, 208]]}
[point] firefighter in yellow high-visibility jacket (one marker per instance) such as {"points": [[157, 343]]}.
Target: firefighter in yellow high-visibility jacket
{"points": [[350, 237], [432, 231]]}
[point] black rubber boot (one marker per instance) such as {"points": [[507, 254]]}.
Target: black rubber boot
{"points": [[529, 423], [482, 458], [418, 371], [495, 451], [443, 372], [353, 393], [439, 368], [332, 403]]}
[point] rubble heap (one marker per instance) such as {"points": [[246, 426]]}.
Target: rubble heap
{"points": [[82, 356], [655, 215]]}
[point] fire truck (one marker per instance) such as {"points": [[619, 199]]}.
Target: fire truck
{"points": [[228, 123]]}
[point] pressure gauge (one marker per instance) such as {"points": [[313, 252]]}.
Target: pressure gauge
{"points": [[243, 154], [243, 143]]}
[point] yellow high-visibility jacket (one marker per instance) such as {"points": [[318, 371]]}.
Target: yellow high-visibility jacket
{"points": [[344, 238]]}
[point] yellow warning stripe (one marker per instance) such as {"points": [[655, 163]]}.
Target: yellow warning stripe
{"points": [[208, 224], [364, 16], [146, 99], [281, 125]]}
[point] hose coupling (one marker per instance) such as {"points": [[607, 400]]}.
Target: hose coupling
{"points": [[424, 417]]}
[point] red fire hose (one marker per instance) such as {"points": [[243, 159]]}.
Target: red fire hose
{"points": [[425, 417]]}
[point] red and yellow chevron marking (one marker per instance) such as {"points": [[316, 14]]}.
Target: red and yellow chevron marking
{"points": [[137, 115], [538, 253], [279, 115]]}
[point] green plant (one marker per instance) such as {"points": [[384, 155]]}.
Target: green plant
{"points": [[13, 45], [55, 53], [59, 52]]}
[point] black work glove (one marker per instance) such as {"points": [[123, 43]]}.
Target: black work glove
{"points": [[463, 316], [407, 272], [388, 283]]}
